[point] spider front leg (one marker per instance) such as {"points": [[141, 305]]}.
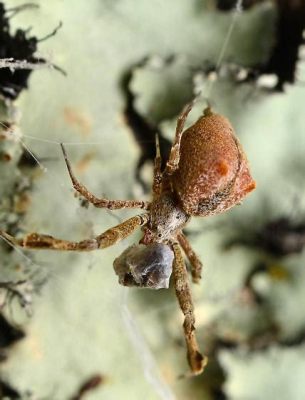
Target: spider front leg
{"points": [[194, 260], [174, 156], [196, 361], [101, 202], [106, 239]]}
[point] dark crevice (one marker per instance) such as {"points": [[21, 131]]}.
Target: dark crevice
{"points": [[8, 333], [7, 392], [279, 237], [19, 47], [143, 131], [288, 38]]}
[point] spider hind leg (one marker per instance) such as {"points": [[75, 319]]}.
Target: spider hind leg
{"points": [[196, 264], [196, 360]]}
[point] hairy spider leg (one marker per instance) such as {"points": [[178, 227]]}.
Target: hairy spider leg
{"points": [[196, 264], [108, 238], [101, 202], [196, 361], [174, 156]]}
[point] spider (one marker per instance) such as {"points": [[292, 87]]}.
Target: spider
{"points": [[206, 173]]}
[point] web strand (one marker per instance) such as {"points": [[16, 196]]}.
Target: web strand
{"points": [[236, 13], [151, 371]]}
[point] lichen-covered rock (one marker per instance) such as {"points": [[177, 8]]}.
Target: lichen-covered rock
{"points": [[82, 307]]}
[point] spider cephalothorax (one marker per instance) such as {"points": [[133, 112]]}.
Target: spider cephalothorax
{"points": [[206, 173], [166, 217]]}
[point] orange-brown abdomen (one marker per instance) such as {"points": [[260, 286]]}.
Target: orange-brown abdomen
{"points": [[213, 173]]}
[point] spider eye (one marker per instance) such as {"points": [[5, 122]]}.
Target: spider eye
{"points": [[159, 235]]}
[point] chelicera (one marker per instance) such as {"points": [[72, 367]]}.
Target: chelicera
{"points": [[207, 173]]}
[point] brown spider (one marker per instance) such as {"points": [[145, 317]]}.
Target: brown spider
{"points": [[207, 173]]}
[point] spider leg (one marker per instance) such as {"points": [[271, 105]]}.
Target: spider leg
{"points": [[121, 231], [196, 361], [106, 239], [194, 260], [174, 156], [101, 202], [157, 182]]}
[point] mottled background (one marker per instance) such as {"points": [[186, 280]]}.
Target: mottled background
{"points": [[250, 305]]}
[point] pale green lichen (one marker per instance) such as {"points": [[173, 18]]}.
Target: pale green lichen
{"points": [[81, 324]]}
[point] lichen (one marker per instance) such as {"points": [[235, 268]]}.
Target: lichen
{"points": [[82, 321]]}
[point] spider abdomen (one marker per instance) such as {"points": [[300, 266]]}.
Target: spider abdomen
{"points": [[213, 173]]}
